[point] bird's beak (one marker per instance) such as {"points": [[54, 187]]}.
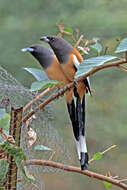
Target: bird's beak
{"points": [[44, 38], [27, 49]]}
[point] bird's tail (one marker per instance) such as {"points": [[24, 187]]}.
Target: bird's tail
{"points": [[80, 114], [74, 121]]}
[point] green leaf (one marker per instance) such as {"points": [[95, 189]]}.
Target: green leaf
{"points": [[15, 151], [88, 64], [3, 168], [37, 73], [5, 145], [97, 156], [42, 147], [19, 156], [122, 46], [2, 112], [5, 122], [107, 185], [96, 47], [69, 30], [43, 84]]}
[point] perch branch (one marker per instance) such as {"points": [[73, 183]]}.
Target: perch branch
{"points": [[70, 85], [76, 170]]}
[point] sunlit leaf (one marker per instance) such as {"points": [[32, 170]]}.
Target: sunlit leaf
{"points": [[107, 185], [3, 168], [38, 85], [2, 112], [96, 47], [69, 30], [5, 122], [97, 156], [122, 47], [42, 147], [37, 73], [88, 64]]}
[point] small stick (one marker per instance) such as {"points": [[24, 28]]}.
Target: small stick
{"points": [[79, 40]]}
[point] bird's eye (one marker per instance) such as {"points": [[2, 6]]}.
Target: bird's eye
{"points": [[34, 47]]}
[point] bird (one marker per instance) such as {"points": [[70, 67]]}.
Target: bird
{"points": [[48, 60], [69, 59]]}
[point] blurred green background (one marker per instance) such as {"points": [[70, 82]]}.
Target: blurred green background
{"points": [[22, 23]]}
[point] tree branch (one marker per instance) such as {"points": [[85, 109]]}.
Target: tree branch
{"points": [[76, 170], [70, 85], [36, 99]]}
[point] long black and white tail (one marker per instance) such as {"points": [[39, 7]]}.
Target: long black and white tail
{"points": [[80, 112], [77, 116]]}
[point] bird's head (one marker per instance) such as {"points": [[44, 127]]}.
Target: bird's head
{"points": [[43, 54], [35, 49], [60, 46]]}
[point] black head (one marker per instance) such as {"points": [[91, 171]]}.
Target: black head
{"points": [[43, 54], [60, 46]]}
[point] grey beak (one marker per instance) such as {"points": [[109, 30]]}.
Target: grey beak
{"points": [[44, 38], [27, 49]]}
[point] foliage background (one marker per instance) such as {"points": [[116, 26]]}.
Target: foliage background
{"points": [[22, 23]]}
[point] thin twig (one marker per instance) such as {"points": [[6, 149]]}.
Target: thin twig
{"points": [[123, 68], [77, 170], [50, 158], [106, 49], [36, 99], [110, 148], [122, 180], [79, 40]]}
